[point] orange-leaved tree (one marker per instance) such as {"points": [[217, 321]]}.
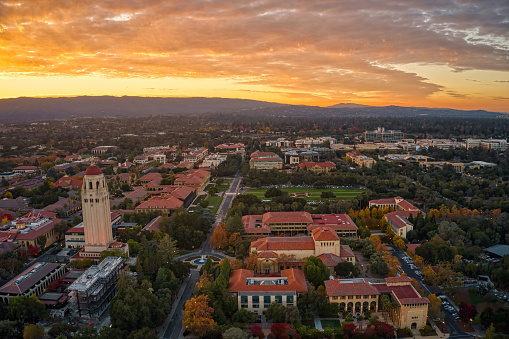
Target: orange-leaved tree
{"points": [[198, 316]]}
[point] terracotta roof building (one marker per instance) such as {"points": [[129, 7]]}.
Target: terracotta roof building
{"points": [[164, 205], [255, 294], [317, 167], [398, 203], [398, 221], [278, 253], [359, 295], [295, 223], [231, 148]]}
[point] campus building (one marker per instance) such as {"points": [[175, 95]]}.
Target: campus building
{"points": [[317, 167], [361, 159], [255, 294], [265, 160], [380, 134], [359, 295], [489, 144], [279, 253], [397, 220], [32, 281], [91, 293], [297, 223]]}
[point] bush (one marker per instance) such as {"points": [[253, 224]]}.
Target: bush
{"points": [[404, 333], [427, 330]]}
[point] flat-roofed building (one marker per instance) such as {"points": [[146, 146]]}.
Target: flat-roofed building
{"points": [[91, 293], [380, 134], [265, 160], [32, 281]]}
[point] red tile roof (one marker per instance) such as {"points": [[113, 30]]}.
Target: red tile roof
{"points": [[93, 170], [398, 279], [412, 247], [406, 294], [399, 218], [296, 282], [151, 177], [310, 164], [399, 201], [230, 146], [334, 221], [283, 243], [342, 288], [153, 225], [324, 234], [158, 203], [37, 232], [32, 276], [267, 255], [346, 251], [287, 217], [330, 259]]}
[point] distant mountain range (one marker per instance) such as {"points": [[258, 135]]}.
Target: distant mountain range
{"points": [[31, 109]]}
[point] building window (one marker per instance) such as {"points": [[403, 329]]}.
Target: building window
{"points": [[289, 300], [256, 301], [266, 301], [279, 299]]}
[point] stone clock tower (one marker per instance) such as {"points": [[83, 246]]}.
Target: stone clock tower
{"points": [[95, 203]]}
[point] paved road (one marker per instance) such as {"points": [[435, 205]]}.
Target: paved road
{"points": [[173, 327], [173, 324], [454, 330]]}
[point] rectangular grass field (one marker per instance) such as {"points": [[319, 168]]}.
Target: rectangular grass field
{"points": [[313, 193]]}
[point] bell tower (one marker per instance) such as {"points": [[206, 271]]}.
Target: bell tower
{"points": [[95, 203]]}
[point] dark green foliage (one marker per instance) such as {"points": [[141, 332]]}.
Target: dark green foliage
{"points": [[316, 271], [11, 329], [63, 329], [346, 269], [188, 229], [244, 316], [29, 309]]}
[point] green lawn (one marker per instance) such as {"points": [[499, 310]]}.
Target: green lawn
{"points": [[214, 200], [222, 188], [340, 193], [198, 199], [330, 323]]}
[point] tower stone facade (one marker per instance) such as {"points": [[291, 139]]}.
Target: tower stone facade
{"points": [[96, 211]]}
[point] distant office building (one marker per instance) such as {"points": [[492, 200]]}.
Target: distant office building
{"points": [[265, 160], [92, 292], [489, 144], [380, 134]]}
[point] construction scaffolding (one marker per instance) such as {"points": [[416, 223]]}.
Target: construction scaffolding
{"points": [[91, 293]]}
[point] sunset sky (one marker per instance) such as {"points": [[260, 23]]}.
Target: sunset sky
{"points": [[434, 53]]}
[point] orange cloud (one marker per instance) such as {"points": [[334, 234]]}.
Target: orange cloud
{"points": [[319, 51]]}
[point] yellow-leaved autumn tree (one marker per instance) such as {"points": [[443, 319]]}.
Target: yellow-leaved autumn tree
{"points": [[198, 316]]}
